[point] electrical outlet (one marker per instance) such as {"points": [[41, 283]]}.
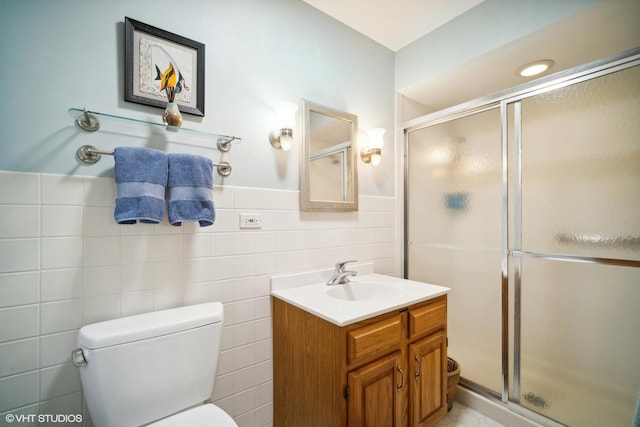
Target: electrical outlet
{"points": [[253, 220]]}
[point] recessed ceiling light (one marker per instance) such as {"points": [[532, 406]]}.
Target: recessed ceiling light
{"points": [[535, 68]]}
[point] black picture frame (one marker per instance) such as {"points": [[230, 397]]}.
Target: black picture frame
{"points": [[148, 52]]}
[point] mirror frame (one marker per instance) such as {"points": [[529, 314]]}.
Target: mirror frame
{"points": [[306, 204]]}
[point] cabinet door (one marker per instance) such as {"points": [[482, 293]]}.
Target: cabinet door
{"points": [[428, 382], [378, 393]]}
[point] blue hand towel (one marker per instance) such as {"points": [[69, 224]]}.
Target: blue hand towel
{"points": [[141, 178], [190, 190]]}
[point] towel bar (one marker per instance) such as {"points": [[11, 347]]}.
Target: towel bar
{"points": [[88, 154]]}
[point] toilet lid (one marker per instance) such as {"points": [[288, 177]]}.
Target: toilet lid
{"points": [[208, 415]]}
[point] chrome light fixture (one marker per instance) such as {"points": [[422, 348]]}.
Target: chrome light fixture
{"points": [[281, 137], [372, 153]]}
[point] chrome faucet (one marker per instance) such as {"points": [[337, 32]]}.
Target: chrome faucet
{"points": [[340, 275]]}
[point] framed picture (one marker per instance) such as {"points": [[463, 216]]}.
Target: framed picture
{"points": [[156, 60]]}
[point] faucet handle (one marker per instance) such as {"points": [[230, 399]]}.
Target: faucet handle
{"points": [[340, 265]]}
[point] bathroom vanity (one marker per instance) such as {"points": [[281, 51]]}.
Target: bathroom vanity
{"points": [[384, 369]]}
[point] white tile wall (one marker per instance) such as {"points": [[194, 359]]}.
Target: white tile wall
{"points": [[65, 263], [19, 356], [19, 288]]}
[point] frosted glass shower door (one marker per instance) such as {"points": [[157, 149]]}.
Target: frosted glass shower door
{"points": [[576, 267], [453, 217], [539, 243]]}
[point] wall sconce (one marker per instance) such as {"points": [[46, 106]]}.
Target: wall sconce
{"points": [[282, 136], [372, 153]]}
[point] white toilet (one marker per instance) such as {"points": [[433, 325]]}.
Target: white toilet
{"points": [[153, 369]]}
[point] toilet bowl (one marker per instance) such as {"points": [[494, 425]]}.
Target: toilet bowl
{"points": [[153, 368], [207, 415]]}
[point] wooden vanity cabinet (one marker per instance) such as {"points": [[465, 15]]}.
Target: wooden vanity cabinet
{"points": [[390, 370]]}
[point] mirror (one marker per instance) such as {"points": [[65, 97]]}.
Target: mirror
{"points": [[328, 167]]}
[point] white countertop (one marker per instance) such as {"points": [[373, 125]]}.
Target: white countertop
{"points": [[315, 297]]}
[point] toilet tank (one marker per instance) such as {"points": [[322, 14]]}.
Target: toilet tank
{"points": [[146, 367]]}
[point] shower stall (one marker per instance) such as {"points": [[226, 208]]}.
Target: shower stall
{"points": [[527, 205]]}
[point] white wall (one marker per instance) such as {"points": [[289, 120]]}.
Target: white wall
{"points": [[64, 262]]}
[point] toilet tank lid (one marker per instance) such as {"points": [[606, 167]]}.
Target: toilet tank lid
{"points": [[149, 325]]}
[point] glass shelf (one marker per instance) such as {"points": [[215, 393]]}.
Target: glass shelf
{"points": [[90, 122]]}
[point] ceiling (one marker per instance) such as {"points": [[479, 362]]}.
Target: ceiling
{"points": [[376, 18], [608, 28]]}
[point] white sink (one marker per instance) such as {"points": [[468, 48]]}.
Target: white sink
{"points": [[363, 291], [367, 295]]}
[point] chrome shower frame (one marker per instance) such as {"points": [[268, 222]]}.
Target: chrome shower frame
{"points": [[502, 100]]}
